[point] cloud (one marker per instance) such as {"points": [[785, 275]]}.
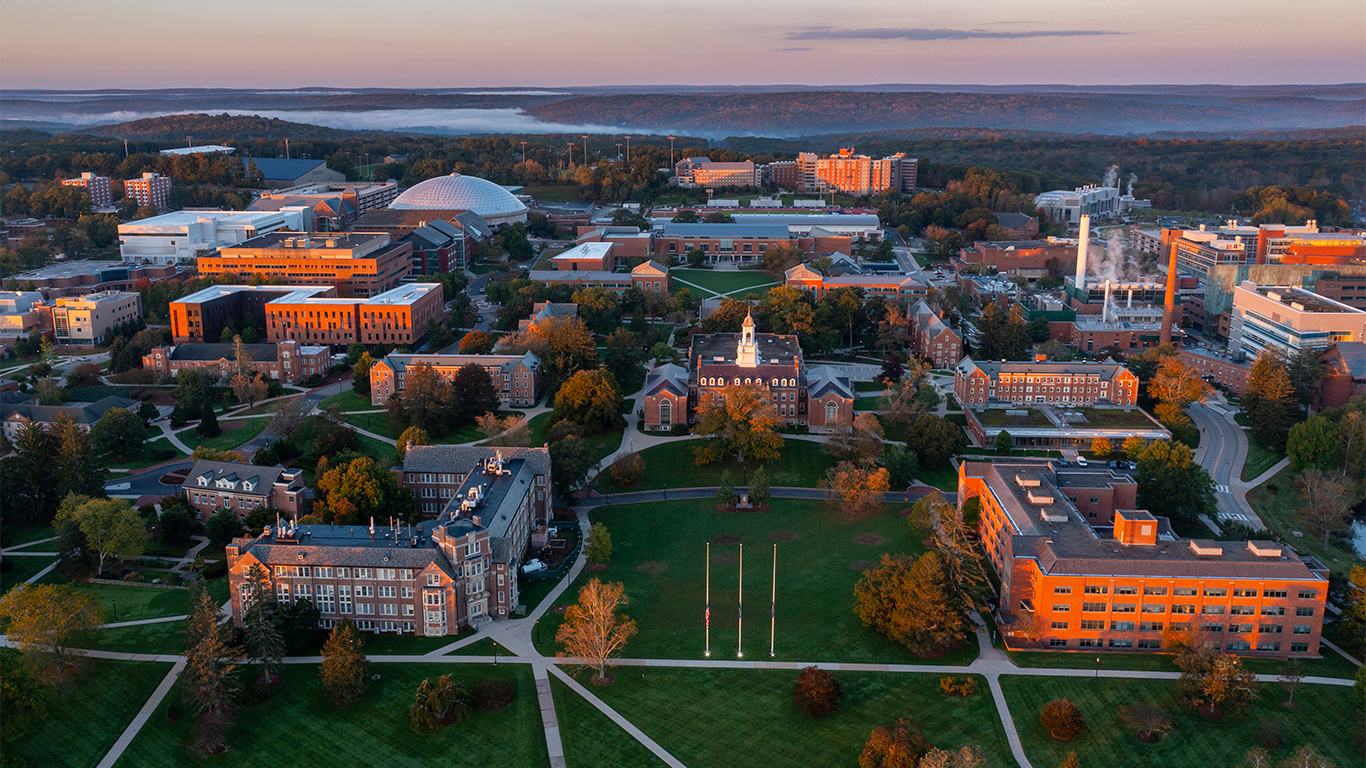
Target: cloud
{"points": [[797, 48], [921, 34]]}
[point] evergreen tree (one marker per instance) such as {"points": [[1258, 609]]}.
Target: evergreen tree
{"points": [[1269, 402], [208, 422], [261, 623], [343, 667], [360, 374], [210, 657]]}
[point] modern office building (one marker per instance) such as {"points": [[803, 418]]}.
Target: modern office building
{"points": [[77, 278], [183, 236], [817, 397], [437, 578], [86, 320], [243, 488], [357, 263], [287, 362], [152, 189], [96, 186], [20, 315], [980, 384], [853, 174], [1286, 319], [1064, 207], [702, 172], [1081, 569], [627, 242], [517, 378], [899, 288]]}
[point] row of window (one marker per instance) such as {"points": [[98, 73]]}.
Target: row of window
{"points": [[1124, 642], [1213, 610], [1158, 626], [1094, 589]]}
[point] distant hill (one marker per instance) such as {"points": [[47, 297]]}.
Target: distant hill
{"points": [[828, 112], [210, 128]]}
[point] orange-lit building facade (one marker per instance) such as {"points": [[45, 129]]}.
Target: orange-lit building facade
{"points": [[854, 174], [360, 264], [1066, 384], [152, 189], [97, 186], [1115, 578]]}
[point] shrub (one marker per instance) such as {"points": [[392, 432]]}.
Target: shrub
{"points": [[1147, 720], [958, 686], [265, 457], [494, 693], [1062, 719], [285, 449], [216, 570], [900, 746], [679, 429], [628, 469], [817, 692]]}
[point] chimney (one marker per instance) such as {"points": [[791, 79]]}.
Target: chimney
{"points": [[1105, 308], [1083, 242], [1169, 302]]}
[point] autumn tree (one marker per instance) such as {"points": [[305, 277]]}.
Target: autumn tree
{"points": [[966, 756], [73, 468], [1101, 447], [289, 417], [410, 437], [1214, 682], [593, 632], [859, 486], [427, 401], [1328, 497], [564, 345], [359, 489], [477, 343], [859, 440], [360, 374], [1175, 386], [597, 546], [780, 258], [816, 692], [1134, 447], [739, 420], [512, 430], [1269, 401], [41, 618], [897, 746], [1062, 719], [1148, 720], [900, 404], [628, 469], [438, 703], [343, 667], [592, 400], [249, 389], [952, 539], [109, 527], [908, 600]]}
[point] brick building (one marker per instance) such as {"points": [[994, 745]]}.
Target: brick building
{"points": [[1018, 226], [702, 172], [745, 243], [816, 397], [437, 578], [356, 263], [1028, 258], [1081, 569], [516, 377], [647, 276], [1345, 376], [547, 310], [853, 174], [932, 338], [242, 488], [18, 409], [1067, 384], [96, 186], [1218, 366], [899, 288], [152, 189], [287, 362], [627, 242]]}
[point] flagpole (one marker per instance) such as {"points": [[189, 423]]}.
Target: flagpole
{"points": [[740, 634], [707, 650], [773, 606]]}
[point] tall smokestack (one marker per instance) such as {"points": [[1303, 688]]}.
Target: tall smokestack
{"points": [[1105, 308], [1082, 244], [1169, 303]]}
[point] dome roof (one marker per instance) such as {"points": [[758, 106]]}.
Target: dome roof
{"points": [[459, 192]]}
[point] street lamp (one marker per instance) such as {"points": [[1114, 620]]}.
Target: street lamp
{"points": [[116, 608], [1097, 668]]}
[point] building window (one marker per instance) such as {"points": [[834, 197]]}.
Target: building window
{"points": [[1150, 626], [1299, 647], [1061, 608], [1304, 611], [1122, 626], [1184, 591], [1308, 594], [1304, 629], [1093, 607], [1088, 642], [1154, 608], [1059, 625], [1092, 624], [1216, 592], [1057, 642], [1244, 593], [1121, 643], [1270, 593], [1062, 590], [1094, 590]]}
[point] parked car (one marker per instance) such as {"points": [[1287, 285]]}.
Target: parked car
{"points": [[1113, 465], [1133, 465], [533, 566], [1081, 461]]}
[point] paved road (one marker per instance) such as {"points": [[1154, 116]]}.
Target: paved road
{"points": [[145, 484], [1221, 440]]}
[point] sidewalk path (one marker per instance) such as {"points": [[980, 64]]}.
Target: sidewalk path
{"points": [[14, 549], [143, 716]]}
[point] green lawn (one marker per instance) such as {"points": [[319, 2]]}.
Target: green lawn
{"points": [[17, 534], [802, 465], [382, 451], [870, 386], [348, 401], [553, 193], [719, 282], [299, 727], [997, 417], [1259, 457], [944, 477], [1279, 509], [162, 637], [712, 717], [241, 433], [825, 559], [377, 423], [154, 452], [1325, 717], [17, 570], [86, 717], [590, 738], [136, 603]]}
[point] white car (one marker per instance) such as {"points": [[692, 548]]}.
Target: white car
{"points": [[1081, 461], [532, 566]]}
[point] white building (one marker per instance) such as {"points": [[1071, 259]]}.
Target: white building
{"points": [[1287, 319], [88, 319], [1065, 207], [182, 236]]}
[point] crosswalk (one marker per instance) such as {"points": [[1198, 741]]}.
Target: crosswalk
{"points": [[1222, 489], [1233, 516]]}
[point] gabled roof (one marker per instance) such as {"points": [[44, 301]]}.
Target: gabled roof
{"points": [[280, 168], [1010, 220], [667, 378], [650, 267], [823, 379], [474, 225], [262, 478], [262, 352], [724, 231], [85, 414]]}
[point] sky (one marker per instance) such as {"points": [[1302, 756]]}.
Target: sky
{"points": [[77, 44]]}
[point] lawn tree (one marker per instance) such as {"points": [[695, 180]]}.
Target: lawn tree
{"points": [[1307, 756], [512, 431], [1134, 447], [410, 437], [758, 486], [1257, 757], [1291, 678], [360, 374], [628, 469], [859, 486], [934, 439], [1062, 719], [249, 389], [22, 699], [1305, 370], [1146, 719], [40, 618], [592, 400], [952, 539], [1214, 682], [261, 634], [1005, 443], [473, 392], [1269, 401], [1313, 443], [572, 459], [598, 545], [816, 692], [1175, 386], [289, 417], [109, 527], [1071, 761], [599, 308], [739, 420], [897, 746], [1170, 480], [211, 660], [725, 489], [902, 465], [222, 526], [427, 401], [893, 367], [1101, 447], [592, 631], [208, 422], [1328, 498], [356, 490], [73, 466], [966, 756], [343, 667], [908, 600], [1352, 623], [859, 440], [900, 405], [176, 524], [118, 434], [439, 702], [564, 345], [477, 343]]}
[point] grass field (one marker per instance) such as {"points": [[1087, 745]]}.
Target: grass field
{"points": [[722, 282], [802, 465], [19, 569], [1324, 718], [154, 452], [826, 558], [741, 717], [553, 193], [591, 738], [84, 718], [17, 534], [1259, 457], [235, 434], [944, 477], [1279, 509], [997, 417], [299, 727], [347, 401], [162, 637]]}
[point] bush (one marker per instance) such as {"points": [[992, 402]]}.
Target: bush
{"points": [[1062, 719], [817, 692], [1271, 733], [312, 380], [494, 693], [958, 686], [285, 450], [679, 429], [172, 713], [265, 457], [177, 523], [216, 570]]}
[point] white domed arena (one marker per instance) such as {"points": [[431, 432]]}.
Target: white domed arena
{"points": [[458, 192]]}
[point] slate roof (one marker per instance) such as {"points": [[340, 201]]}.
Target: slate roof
{"points": [[823, 379], [727, 231], [507, 363], [262, 478], [1107, 369], [280, 168], [460, 458], [1352, 355], [1013, 220], [668, 377], [261, 352], [85, 414]]}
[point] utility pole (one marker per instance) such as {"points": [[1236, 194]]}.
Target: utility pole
{"points": [[524, 153], [585, 150], [571, 155], [671, 151], [618, 153], [628, 150]]}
